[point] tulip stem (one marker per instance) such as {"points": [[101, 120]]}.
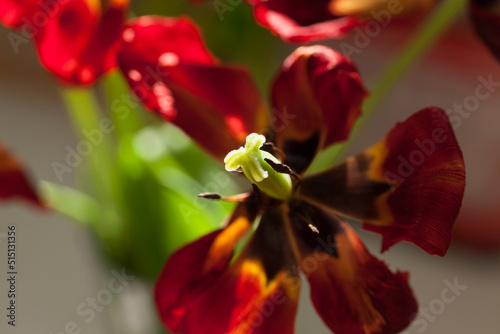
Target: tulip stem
{"points": [[83, 108], [427, 34]]}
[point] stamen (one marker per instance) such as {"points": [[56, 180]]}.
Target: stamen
{"points": [[235, 198], [313, 228], [280, 168]]}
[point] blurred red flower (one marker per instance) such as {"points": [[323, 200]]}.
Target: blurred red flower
{"points": [[302, 21], [13, 180], [76, 40]]}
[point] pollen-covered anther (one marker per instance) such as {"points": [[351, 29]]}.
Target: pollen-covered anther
{"points": [[252, 160]]}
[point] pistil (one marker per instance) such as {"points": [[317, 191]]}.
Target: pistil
{"points": [[251, 159]]}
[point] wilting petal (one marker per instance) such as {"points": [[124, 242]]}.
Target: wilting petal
{"points": [[316, 97], [486, 18], [258, 293], [352, 291], [301, 21], [170, 70], [194, 268], [407, 187], [13, 180], [77, 43]]}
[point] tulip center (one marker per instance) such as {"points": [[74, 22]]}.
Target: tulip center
{"points": [[252, 160]]}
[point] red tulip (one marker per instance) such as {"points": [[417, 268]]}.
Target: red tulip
{"points": [[409, 187]]}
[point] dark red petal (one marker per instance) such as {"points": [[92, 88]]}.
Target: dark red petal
{"points": [[77, 43], [256, 294], [194, 268], [300, 21], [407, 187], [316, 97], [259, 292], [352, 291], [171, 71], [13, 180], [486, 18]]}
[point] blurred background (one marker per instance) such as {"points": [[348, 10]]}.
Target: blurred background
{"points": [[61, 266]]}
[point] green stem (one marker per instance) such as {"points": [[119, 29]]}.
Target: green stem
{"points": [[84, 110], [425, 37], [125, 109], [82, 107]]}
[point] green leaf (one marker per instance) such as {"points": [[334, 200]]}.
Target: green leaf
{"points": [[70, 202]]}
